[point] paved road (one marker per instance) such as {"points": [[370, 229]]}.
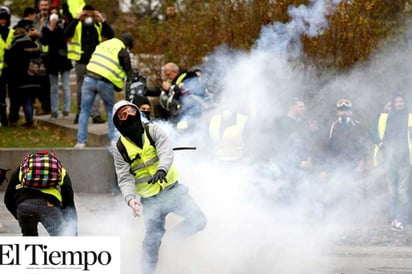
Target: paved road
{"points": [[235, 246]]}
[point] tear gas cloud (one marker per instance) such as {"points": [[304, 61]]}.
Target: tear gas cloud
{"points": [[249, 229]]}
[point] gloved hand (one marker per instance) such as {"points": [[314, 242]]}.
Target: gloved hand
{"points": [[160, 175]]}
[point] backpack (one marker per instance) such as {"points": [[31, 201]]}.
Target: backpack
{"points": [[122, 149], [41, 170]]}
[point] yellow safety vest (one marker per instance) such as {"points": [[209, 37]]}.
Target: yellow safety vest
{"points": [[144, 165], [74, 50], [105, 62], [4, 45], [75, 6], [383, 118], [55, 191], [229, 146]]}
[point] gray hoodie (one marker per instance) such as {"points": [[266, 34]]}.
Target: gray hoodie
{"points": [[164, 151]]}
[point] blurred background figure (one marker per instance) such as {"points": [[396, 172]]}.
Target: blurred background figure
{"points": [[182, 95], [344, 161], [6, 36], [393, 140], [85, 32], [24, 85], [52, 36]]}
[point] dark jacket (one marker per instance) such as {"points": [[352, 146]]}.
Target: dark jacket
{"points": [[56, 60], [13, 197], [17, 59], [90, 38], [292, 142], [346, 145]]}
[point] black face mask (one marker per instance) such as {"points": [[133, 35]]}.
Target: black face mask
{"points": [[146, 114], [132, 128]]}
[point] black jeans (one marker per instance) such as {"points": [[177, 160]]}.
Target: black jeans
{"points": [[31, 212]]}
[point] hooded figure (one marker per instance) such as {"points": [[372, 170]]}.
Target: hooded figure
{"points": [[143, 160], [132, 127]]}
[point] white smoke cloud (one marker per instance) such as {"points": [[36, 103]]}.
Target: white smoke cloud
{"points": [[249, 230], [284, 38]]}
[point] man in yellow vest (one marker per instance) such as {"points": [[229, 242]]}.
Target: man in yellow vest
{"points": [[227, 134], [394, 145], [85, 32], [40, 191], [183, 94], [106, 72], [143, 160], [6, 37]]}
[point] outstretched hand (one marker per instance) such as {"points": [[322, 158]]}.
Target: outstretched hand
{"points": [[136, 207]]}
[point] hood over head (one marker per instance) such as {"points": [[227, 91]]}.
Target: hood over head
{"points": [[132, 127]]}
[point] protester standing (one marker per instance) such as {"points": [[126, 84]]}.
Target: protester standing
{"points": [[144, 167], [6, 37], [85, 33], [57, 62], [106, 72], [393, 139]]}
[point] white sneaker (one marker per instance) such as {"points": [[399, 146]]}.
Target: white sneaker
{"points": [[78, 145], [397, 226]]}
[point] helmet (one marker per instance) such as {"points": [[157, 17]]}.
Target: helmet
{"points": [[5, 14], [344, 104], [169, 103]]}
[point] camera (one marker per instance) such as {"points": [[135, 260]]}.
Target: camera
{"points": [[135, 85]]}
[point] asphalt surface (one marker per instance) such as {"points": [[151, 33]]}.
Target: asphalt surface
{"points": [[352, 249]]}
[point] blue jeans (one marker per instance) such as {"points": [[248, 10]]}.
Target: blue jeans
{"points": [[54, 91], [90, 88], [31, 212], [398, 175], [177, 200], [80, 70]]}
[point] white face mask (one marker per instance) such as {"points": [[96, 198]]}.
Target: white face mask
{"points": [[88, 20]]}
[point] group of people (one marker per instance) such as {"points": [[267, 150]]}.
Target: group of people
{"points": [[40, 188], [332, 163], [44, 45]]}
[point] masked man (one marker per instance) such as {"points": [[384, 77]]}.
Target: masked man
{"points": [[144, 167]]}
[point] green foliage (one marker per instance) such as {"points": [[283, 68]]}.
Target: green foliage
{"points": [[38, 136], [17, 7], [356, 29]]}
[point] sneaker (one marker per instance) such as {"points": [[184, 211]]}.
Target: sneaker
{"points": [[76, 119], [98, 120], [397, 226], [79, 145], [54, 115]]}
